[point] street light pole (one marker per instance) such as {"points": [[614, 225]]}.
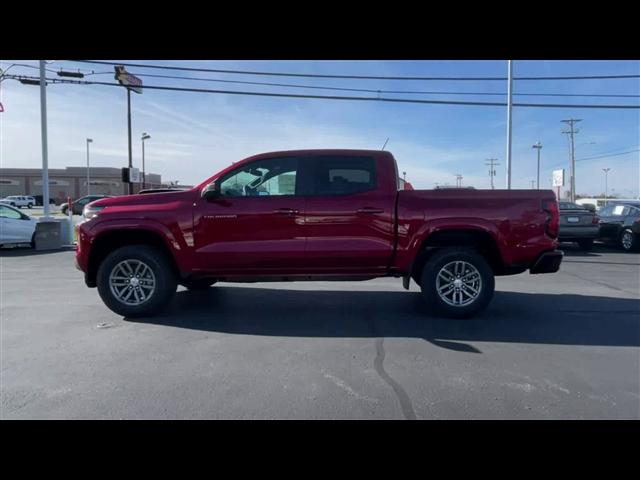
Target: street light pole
{"points": [[129, 130], [89, 140], [145, 136], [538, 146], [606, 175]]}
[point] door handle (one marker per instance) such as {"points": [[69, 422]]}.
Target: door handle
{"points": [[286, 211], [370, 210]]}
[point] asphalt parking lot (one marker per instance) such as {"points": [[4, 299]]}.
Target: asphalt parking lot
{"points": [[560, 346]]}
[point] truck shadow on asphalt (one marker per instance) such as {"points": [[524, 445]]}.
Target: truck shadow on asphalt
{"points": [[511, 317]]}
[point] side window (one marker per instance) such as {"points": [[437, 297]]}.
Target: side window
{"points": [[606, 211], [619, 210], [336, 175], [9, 213], [635, 212], [273, 176]]}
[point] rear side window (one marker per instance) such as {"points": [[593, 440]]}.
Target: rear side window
{"points": [[335, 175]]}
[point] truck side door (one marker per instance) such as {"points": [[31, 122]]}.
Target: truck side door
{"points": [[349, 220], [255, 226]]}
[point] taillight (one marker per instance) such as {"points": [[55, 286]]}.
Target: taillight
{"points": [[552, 223], [595, 220]]}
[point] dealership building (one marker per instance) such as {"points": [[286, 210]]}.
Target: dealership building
{"points": [[70, 182]]}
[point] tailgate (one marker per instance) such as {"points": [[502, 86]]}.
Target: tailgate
{"points": [[569, 218]]}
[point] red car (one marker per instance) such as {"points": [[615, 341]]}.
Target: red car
{"points": [[315, 215]]}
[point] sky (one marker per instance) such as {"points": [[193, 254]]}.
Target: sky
{"points": [[194, 135]]}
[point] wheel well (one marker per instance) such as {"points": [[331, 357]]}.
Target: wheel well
{"points": [[110, 241], [481, 241]]}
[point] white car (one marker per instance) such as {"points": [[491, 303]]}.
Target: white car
{"points": [[15, 226], [19, 201]]}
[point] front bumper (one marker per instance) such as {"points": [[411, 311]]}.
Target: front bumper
{"points": [[548, 262]]}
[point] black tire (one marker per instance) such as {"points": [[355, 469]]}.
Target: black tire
{"points": [[33, 240], [632, 245], [160, 265], [586, 244], [12, 204], [197, 285], [30, 205], [445, 257], [64, 210]]}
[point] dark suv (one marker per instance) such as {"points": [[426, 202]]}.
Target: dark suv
{"points": [[80, 203]]}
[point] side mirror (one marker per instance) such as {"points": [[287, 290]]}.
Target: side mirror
{"points": [[211, 191]]}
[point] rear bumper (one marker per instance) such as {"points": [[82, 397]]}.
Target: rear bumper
{"points": [[548, 262], [575, 233]]}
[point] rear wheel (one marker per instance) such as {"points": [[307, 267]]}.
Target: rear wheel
{"points": [[586, 244], [628, 241], [199, 284], [136, 281], [30, 205], [457, 282]]}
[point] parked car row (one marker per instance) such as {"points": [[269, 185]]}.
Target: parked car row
{"points": [[617, 223]]}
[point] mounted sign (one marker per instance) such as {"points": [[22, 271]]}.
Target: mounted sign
{"points": [[558, 178], [128, 80], [131, 175]]}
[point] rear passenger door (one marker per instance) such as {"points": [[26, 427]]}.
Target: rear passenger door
{"points": [[348, 220]]}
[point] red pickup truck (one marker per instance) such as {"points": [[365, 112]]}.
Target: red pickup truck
{"points": [[315, 215]]}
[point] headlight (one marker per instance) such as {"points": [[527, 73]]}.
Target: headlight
{"points": [[89, 211]]}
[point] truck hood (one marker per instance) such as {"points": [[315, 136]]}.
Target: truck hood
{"points": [[145, 199]]}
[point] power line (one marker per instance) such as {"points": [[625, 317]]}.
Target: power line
{"points": [[366, 90], [334, 97], [607, 156], [370, 90], [358, 77]]}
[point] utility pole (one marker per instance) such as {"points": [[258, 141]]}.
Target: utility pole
{"points": [[606, 174], [89, 140], [492, 173], [509, 118], [43, 131], [458, 180], [572, 131], [533, 183], [538, 146]]}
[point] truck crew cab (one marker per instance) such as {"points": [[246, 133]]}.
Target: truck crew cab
{"points": [[315, 215]]}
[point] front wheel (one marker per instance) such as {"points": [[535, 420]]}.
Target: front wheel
{"points": [[30, 205], [136, 281], [457, 282]]}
